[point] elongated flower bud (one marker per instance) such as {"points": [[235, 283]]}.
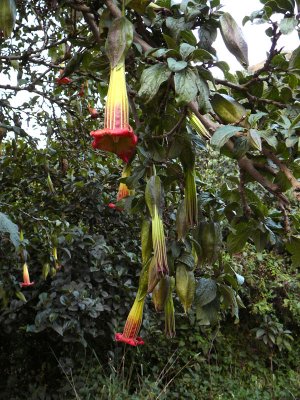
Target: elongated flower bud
{"points": [[117, 136], [170, 311], [198, 126], [190, 198], [159, 244]]}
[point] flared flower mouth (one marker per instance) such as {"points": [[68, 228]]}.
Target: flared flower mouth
{"points": [[133, 324], [26, 279], [121, 141], [117, 136], [131, 341]]}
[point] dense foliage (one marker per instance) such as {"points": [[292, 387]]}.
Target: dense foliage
{"points": [[229, 204]]}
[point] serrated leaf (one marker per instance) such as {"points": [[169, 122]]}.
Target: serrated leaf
{"points": [[234, 39], [223, 134], [119, 40], [151, 80], [7, 226]]}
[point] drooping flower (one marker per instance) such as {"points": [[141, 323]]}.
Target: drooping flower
{"points": [[159, 244], [117, 136], [133, 325], [26, 278], [134, 319], [154, 200], [190, 198]]}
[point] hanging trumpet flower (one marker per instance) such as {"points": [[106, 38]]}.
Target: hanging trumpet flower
{"points": [[117, 136], [26, 279], [153, 196], [134, 319]]}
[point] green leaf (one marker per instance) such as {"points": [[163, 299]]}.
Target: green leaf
{"points": [[186, 85], [185, 50], [237, 240], [234, 39], [7, 226], [269, 137], [293, 247], [294, 62], [287, 25], [255, 139], [176, 66], [151, 80], [206, 291], [119, 40], [208, 314], [201, 55], [223, 134], [171, 43], [189, 37]]}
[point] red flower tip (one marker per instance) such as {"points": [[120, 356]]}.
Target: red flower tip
{"points": [[131, 341], [63, 81], [121, 141], [25, 284]]}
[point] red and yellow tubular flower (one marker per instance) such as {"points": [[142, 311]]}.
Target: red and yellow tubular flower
{"points": [[133, 325], [26, 278], [117, 136], [190, 198], [159, 244], [134, 319]]}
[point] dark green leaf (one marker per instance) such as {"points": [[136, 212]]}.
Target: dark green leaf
{"points": [[223, 134], [151, 80]]}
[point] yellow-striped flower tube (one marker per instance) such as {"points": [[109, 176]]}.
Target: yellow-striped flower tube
{"points": [[117, 136]]}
